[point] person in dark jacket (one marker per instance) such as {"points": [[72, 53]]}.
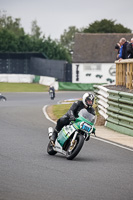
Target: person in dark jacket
{"points": [[123, 53], [72, 113], [130, 49]]}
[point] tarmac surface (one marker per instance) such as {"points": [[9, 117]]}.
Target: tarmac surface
{"points": [[102, 170], [113, 136]]}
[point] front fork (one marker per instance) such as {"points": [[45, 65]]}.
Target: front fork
{"points": [[72, 144]]}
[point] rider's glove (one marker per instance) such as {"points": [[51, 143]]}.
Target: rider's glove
{"points": [[72, 118]]}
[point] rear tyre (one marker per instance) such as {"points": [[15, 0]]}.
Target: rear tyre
{"points": [[50, 150], [72, 154]]}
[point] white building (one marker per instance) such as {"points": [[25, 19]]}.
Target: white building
{"points": [[94, 56]]}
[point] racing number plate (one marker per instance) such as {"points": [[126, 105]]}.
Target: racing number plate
{"points": [[86, 127]]}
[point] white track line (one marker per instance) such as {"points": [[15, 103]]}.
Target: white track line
{"points": [[46, 115], [96, 138], [115, 144]]}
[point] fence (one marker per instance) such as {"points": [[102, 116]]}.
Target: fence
{"points": [[36, 64], [124, 73], [117, 109]]}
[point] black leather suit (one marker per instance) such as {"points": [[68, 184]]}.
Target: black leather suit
{"points": [[72, 114]]}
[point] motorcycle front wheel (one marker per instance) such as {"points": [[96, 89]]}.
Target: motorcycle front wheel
{"points": [[74, 152], [50, 150]]}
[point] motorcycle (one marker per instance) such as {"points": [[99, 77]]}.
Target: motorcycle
{"points": [[2, 98], [71, 138], [52, 93]]}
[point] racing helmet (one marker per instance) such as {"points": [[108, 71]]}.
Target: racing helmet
{"points": [[88, 97]]}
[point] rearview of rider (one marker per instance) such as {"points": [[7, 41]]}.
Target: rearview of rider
{"points": [[72, 113]]}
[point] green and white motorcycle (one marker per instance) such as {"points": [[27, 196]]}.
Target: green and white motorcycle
{"points": [[71, 137]]}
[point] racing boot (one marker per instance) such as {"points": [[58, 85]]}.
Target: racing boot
{"points": [[53, 137]]}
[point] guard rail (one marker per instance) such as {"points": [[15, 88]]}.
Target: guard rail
{"points": [[117, 109]]}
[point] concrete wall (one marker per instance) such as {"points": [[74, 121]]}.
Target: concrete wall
{"points": [[17, 78]]}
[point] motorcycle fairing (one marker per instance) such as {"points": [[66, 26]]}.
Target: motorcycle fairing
{"points": [[65, 133]]}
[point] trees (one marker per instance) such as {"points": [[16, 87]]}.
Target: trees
{"points": [[106, 26], [14, 39], [10, 24], [35, 30], [66, 39]]}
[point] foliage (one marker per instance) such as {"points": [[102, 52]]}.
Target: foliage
{"points": [[66, 39], [14, 39], [106, 26], [35, 30], [14, 26]]}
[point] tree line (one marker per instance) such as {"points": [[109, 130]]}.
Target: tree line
{"points": [[14, 39]]}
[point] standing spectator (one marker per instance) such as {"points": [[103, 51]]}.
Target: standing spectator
{"points": [[130, 49], [123, 49], [117, 48]]}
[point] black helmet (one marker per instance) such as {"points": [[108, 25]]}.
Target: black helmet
{"points": [[88, 97]]}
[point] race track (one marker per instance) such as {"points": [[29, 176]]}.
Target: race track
{"points": [[101, 171]]}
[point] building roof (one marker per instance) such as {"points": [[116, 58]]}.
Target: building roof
{"points": [[96, 47]]}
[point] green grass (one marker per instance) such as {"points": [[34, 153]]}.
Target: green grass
{"points": [[23, 87], [60, 109]]}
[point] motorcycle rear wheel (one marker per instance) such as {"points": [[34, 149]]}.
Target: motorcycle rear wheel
{"points": [[50, 150], [72, 154]]}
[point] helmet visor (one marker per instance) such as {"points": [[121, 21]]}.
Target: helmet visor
{"points": [[89, 101]]}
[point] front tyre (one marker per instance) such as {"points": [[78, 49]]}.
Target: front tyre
{"points": [[50, 150], [79, 143]]}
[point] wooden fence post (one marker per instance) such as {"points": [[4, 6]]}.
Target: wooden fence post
{"points": [[124, 73]]}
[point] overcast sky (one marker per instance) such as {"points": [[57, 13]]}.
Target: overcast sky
{"points": [[53, 16]]}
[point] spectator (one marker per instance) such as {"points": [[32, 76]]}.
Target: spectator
{"points": [[117, 48], [130, 49], [123, 49]]}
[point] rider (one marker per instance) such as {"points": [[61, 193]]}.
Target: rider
{"points": [[72, 113], [51, 88]]}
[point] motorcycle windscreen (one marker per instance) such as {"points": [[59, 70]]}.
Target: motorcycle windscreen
{"points": [[84, 113]]}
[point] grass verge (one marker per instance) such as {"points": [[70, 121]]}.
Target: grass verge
{"points": [[57, 111], [23, 87]]}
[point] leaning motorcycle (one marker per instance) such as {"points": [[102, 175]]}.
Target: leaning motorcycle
{"points": [[51, 93], [2, 98], [71, 138]]}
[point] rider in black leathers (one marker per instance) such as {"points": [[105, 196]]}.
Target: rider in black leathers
{"points": [[87, 102], [51, 88]]}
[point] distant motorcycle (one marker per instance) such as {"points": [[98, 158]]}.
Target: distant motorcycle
{"points": [[71, 137], [52, 92], [2, 98]]}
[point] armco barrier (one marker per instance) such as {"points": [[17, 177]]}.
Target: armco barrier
{"points": [[117, 109]]}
